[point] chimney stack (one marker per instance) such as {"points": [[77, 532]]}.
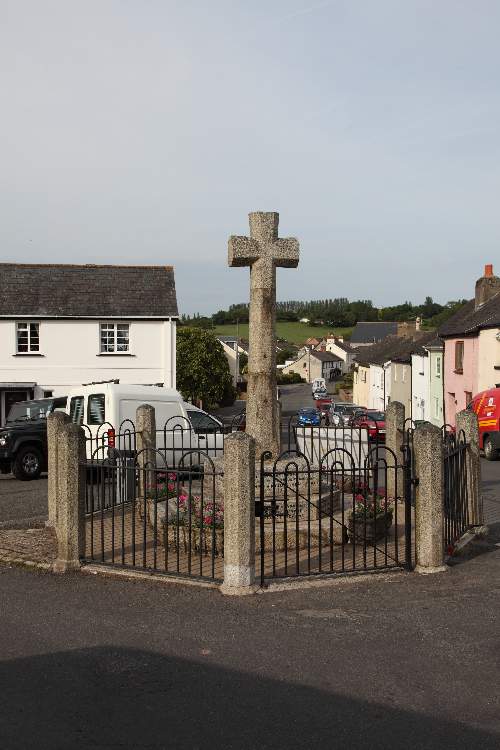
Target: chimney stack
{"points": [[487, 286]]}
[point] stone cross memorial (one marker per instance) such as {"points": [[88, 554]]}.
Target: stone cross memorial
{"points": [[263, 251]]}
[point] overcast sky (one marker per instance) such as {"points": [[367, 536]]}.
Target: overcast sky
{"points": [[144, 131]]}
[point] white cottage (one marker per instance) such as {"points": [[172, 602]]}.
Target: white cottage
{"points": [[64, 325]]}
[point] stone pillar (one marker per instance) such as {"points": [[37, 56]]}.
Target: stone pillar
{"points": [[467, 421], [145, 425], [239, 515], [394, 438], [429, 505], [70, 528], [55, 423]]}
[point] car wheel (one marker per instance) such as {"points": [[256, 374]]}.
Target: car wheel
{"points": [[490, 453], [27, 464]]}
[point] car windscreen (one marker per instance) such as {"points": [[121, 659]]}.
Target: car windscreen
{"points": [[376, 416], [25, 411]]}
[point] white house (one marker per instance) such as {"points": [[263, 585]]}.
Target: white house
{"points": [[336, 345], [65, 325], [379, 393], [233, 349], [313, 364], [420, 385]]}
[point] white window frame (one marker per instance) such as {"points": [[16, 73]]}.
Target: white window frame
{"points": [[112, 325], [26, 324], [438, 366]]}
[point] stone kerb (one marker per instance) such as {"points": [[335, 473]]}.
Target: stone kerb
{"points": [[468, 422], [394, 439], [239, 515], [429, 504], [70, 527], [55, 423]]}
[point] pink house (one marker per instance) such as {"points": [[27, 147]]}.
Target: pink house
{"points": [[462, 339], [460, 374]]}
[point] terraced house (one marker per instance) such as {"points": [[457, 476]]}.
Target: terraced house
{"points": [[65, 325], [472, 346]]}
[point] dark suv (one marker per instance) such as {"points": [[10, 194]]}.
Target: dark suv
{"points": [[23, 438]]}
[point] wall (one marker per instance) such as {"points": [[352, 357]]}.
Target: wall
{"points": [[376, 397], [232, 360], [420, 386], [456, 385], [306, 366], [436, 388], [361, 386], [401, 385], [488, 359], [70, 355]]}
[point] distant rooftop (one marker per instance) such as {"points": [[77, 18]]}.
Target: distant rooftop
{"points": [[371, 333]]}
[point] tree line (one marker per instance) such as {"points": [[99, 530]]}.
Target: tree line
{"points": [[338, 312]]}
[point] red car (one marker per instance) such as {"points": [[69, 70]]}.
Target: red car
{"points": [[323, 406], [373, 421]]}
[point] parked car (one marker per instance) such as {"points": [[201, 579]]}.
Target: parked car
{"points": [[487, 407], [341, 412], [323, 406], [23, 439], [371, 420], [107, 411], [320, 394], [308, 417]]}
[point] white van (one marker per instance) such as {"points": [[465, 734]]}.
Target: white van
{"points": [[318, 384], [107, 412]]}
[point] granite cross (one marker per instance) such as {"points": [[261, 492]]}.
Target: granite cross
{"points": [[263, 252]]}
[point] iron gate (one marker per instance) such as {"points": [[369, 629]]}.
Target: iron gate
{"points": [[345, 514], [456, 505]]}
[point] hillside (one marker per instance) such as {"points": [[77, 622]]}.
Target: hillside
{"points": [[295, 333]]}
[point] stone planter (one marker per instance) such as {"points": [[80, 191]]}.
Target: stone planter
{"points": [[177, 537], [369, 530]]}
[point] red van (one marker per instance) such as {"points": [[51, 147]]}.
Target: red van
{"points": [[487, 407]]}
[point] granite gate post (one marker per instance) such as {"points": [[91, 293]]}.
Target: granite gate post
{"points": [[70, 527], [239, 515], [468, 422], [263, 251], [55, 423], [394, 439], [145, 421], [429, 504]]}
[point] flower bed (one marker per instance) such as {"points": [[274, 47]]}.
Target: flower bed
{"points": [[372, 516], [184, 520]]}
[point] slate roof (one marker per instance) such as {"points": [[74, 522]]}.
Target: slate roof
{"points": [[325, 356], [395, 349], [364, 333], [466, 321], [85, 291], [344, 345]]}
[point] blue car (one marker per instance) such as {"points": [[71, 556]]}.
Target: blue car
{"points": [[308, 417]]}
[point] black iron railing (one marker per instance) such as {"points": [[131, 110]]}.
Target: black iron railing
{"points": [[456, 505], [342, 515], [144, 515]]}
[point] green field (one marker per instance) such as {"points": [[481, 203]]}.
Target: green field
{"points": [[295, 333]]}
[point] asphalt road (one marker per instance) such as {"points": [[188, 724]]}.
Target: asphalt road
{"points": [[369, 662], [22, 503]]}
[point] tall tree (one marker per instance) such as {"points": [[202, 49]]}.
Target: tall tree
{"points": [[202, 368]]}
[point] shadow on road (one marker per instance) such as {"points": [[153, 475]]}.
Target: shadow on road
{"points": [[118, 697]]}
